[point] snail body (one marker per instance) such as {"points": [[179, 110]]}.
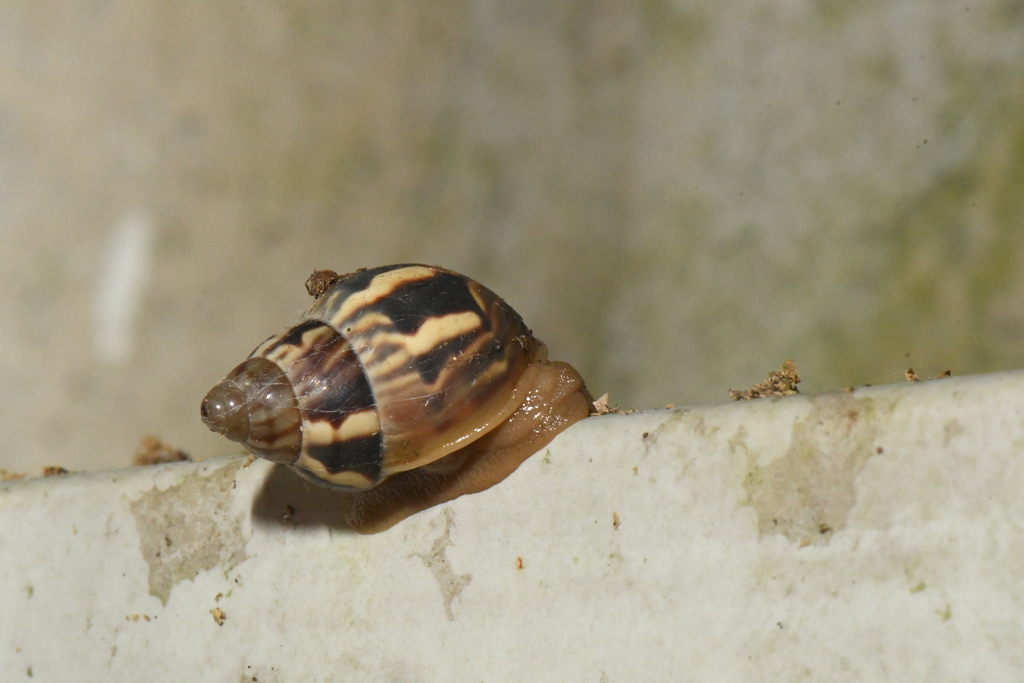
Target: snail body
{"points": [[404, 386]]}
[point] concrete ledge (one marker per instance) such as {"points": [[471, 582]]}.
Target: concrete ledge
{"points": [[871, 535]]}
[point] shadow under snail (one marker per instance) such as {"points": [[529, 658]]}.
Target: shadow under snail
{"points": [[405, 386]]}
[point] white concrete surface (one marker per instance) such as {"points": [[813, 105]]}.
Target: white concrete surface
{"points": [[876, 535]]}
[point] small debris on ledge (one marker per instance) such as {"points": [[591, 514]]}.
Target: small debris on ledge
{"points": [[218, 615], [153, 451], [48, 471], [780, 382], [912, 376], [601, 406]]}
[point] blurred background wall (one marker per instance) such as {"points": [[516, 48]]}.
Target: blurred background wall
{"points": [[676, 196]]}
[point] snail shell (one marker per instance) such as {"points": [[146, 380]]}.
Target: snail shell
{"points": [[392, 369]]}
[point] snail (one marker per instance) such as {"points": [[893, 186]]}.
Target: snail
{"points": [[403, 386]]}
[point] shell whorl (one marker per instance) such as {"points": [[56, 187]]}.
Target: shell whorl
{"points": [[441, 351], [341, 440]]}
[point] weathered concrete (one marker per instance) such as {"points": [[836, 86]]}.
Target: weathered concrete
{"points": [[871, 535]]}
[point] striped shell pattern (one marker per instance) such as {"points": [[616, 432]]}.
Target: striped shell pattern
{"points": [[391, 369]]}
